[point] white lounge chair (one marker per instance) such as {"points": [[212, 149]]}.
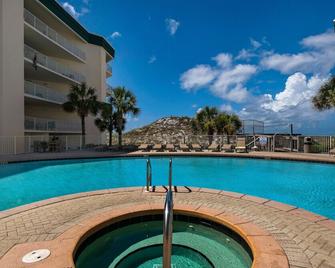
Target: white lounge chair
{"points": [[241, 145]]}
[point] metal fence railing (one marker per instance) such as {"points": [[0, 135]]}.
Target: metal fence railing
{"points": [[43, 92], [51, 64], [48, 143], [64, 142], [43, 28]]}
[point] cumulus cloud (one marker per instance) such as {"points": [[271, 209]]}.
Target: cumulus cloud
{"points": [[229, 85], [319, 57], [197, 77], [172, 25], [292, 104], [224, 80], [224, 60], [115, 35], [72, 10]]}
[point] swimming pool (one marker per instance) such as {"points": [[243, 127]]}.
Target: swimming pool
{"points": [[307, 185]]}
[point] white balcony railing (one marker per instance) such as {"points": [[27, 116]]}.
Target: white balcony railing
{"points": [[51, 64], [109, 68], [43, 124], [43, 92], [52, 34]]}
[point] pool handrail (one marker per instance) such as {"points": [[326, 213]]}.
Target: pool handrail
{"points": [[149, 176], [168, 218]]}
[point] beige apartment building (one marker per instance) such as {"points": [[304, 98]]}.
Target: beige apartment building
{"points": [[43, 51]]}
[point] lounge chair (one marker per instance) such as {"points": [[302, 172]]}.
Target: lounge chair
{"points": [[196, 147], [240, 145], [169, 147], [157, 147], [332, 152], [227, 147], [143, 147], [184, 147], [214, 147]]}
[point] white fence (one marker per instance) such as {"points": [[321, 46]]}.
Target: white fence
{"points": [[48, 143]]}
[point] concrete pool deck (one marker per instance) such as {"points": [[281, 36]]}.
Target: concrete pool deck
{"points": [[322, 158], [305, 239]]}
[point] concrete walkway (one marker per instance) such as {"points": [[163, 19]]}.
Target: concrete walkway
{"points": [[307, 239]]}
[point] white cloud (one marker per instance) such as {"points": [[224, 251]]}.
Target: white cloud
{"points": [[291, 105], [229, 84], [115, 35], [72, 10], [152, 59], [248, 53], [226, 108], [197, 77], [172, 25], [199, 110], [224, 60], [245, 54], [255, 44], [319, 57], [194, 105], [224, 80]]}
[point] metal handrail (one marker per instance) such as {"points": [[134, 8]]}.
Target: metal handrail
{"points": [[168, 228], [149, 175]]}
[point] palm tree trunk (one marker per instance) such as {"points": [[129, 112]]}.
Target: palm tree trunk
{"points": [[110, 138], [83, 130], [120, 139]]}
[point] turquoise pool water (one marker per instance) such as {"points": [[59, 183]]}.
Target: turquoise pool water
{"points": [[307, 185], [196, 244]]}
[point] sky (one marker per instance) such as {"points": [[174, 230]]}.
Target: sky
{"points": [[259, 59]]}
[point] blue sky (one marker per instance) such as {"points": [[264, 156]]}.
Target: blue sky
{"points": [[260, 59]]}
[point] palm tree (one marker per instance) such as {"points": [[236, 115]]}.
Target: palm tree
{"points": [[124, 102], [325, 98], [204, 121], [106, 121], [84, 101], [228, 124]]}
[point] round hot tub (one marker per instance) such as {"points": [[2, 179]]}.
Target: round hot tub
{"points": [[137, 242]]}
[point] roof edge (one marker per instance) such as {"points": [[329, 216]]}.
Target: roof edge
{"points": [[64, 16]]}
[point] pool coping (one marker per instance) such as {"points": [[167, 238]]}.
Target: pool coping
{"points": [[287, 156], [265, 249]]}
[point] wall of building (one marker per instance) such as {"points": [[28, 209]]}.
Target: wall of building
{"points": [[11, 68]]}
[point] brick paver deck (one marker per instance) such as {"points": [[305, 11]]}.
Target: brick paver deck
{"points": [[307, 239]]}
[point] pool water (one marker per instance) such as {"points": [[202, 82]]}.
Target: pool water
{"points": [[307, 185], [196, 244]]}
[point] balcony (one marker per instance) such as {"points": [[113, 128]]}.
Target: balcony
{"points": [[109, 70], [36, 124], [43, 93], [57, 70], [53, 41]]}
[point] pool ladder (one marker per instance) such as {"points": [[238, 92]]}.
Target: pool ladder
{"points": [[149, 176], [168, 214], [168, 219]]}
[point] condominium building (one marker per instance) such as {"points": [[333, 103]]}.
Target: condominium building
{"points": [[43, 51]]}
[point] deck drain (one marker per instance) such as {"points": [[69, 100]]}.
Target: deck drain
{"points": [[36, 255]]}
